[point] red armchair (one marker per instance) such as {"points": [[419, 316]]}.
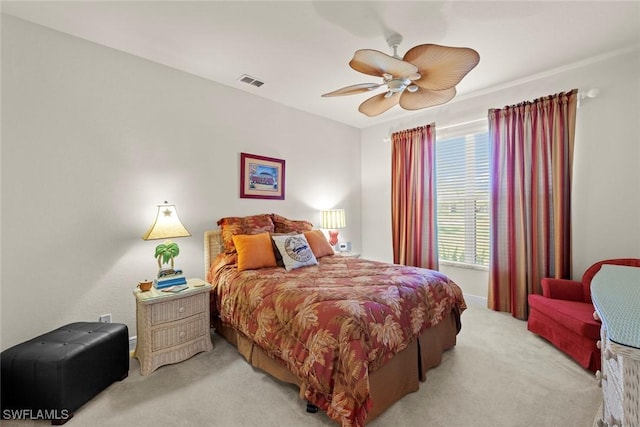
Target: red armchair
{"points": [[563, 315]]}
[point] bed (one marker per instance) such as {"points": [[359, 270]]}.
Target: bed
{"points": [[355, 335]]}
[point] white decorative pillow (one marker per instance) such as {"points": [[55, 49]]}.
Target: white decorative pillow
{"points": [[295, 251]]}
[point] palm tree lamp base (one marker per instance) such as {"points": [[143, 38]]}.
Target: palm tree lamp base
{"points": [[168, 276]]}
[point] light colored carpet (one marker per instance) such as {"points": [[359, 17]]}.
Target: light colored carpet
{"points": [[499, 374]]}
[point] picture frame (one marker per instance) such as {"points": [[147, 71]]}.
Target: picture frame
{"points": [[261, 177]]}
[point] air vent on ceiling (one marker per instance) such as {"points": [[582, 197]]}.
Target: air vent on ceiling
{"points": [[250, 80]]}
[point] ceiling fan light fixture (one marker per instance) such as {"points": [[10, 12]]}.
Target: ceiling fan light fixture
{"points": [[425, 77], [396, 85]]}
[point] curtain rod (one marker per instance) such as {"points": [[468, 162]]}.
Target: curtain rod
{"points": [[582, 94], [388, 138], [461, 124]]}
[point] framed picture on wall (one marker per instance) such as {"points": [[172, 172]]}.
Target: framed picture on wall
{"points": [[261, 177]]}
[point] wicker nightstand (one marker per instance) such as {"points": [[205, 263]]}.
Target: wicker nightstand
{"points": [[172, 327]]}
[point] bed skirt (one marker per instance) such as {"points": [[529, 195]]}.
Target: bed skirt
{"points": [[399, 377]]}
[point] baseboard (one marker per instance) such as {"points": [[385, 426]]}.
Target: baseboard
{"points": [[475, 300]]}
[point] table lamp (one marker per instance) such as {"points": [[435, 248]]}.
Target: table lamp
{"points": [[333, 219], [167, 225]]}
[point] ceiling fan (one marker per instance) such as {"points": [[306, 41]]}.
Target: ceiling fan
{"points": [[426, 76]]}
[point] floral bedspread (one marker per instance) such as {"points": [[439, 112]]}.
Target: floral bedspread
{"points": [[333, 323]]}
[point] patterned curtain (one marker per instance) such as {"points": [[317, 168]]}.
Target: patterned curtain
{"points": [[413, 197], [531, 166]]}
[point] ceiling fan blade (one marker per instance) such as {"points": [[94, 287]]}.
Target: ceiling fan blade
{"points": [[423, 98], [378, 104], [353, 89], [376, 63], [441, 67]]}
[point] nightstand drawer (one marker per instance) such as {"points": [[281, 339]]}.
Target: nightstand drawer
{"points": [[174, 335], [169, 311]]}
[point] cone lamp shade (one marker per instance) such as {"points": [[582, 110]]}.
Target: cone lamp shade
{"points": [[167, 224]]}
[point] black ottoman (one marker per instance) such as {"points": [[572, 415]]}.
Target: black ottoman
{"points": [[51, 376]]}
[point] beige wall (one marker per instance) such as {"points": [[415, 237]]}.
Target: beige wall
{"points": [[606, 178], [93, 139]]}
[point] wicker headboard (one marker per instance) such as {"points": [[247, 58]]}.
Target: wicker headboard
{"points": [[212, 248]]}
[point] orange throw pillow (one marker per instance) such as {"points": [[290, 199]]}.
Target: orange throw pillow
{"points": [[254, 251], [318, 243]]}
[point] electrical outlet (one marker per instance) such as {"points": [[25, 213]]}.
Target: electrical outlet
{"points": [[344, 247], [105, 318]]}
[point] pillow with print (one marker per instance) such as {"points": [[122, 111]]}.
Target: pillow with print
{"points": [[276, 251], [285, 225], [295, 251], [254, 224]]}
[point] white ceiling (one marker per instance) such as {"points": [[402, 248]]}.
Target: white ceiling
{"points": [[301, 49]]}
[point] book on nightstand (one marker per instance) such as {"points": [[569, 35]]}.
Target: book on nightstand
{"points": [[168, 281], [175, 288]]}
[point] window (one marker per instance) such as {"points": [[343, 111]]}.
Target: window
{"points": [[462, 185]]}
